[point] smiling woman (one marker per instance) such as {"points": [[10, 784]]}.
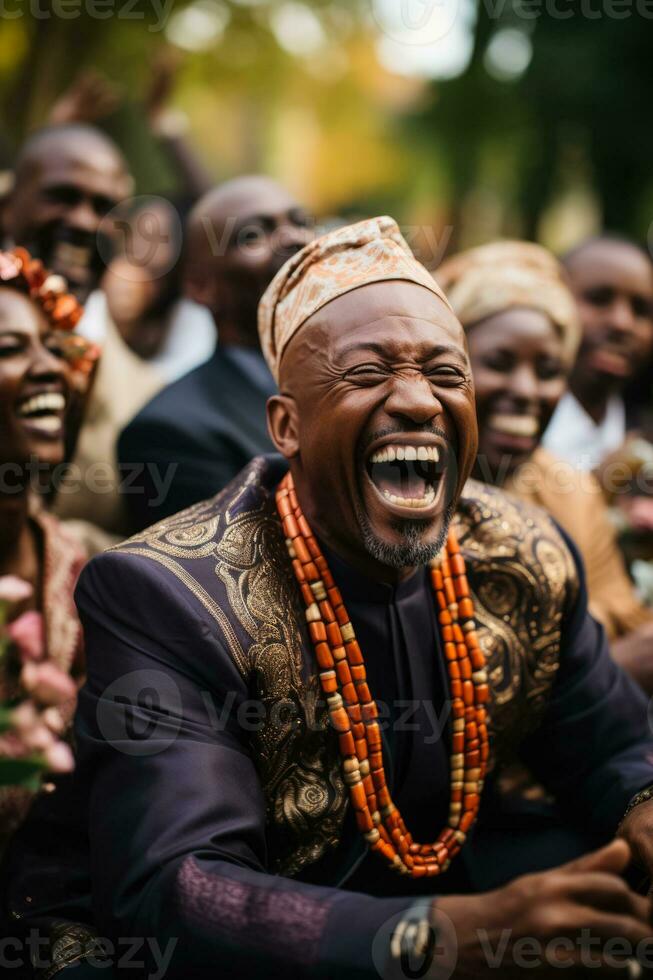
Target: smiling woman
{"points": [[41, 363], [522, 331]]}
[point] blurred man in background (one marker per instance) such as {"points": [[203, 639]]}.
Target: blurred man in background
{"points": [[142, 290], [612, 280], [67, 179], [212, 421]]}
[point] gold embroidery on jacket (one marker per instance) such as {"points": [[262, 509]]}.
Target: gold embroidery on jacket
{"points": [[522, 578], [295, 750]]}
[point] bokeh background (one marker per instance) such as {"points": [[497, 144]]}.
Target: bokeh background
{"points": [[474, 118]]}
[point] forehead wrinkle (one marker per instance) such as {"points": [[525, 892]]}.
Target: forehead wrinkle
{"points": [[421, 350]]}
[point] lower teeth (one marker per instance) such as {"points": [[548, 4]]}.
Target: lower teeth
{"points": [[415, 502], [49, 423]]}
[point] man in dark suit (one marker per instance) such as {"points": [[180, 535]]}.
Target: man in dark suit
{"points": [[211, 422], [245, 758]]}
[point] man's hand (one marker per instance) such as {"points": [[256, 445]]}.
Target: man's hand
{"points": [[637, 831], [90, 97], [569, 918]]}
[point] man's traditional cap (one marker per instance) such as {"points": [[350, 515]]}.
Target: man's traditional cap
{"points": [[344, 259], [499, 276]]}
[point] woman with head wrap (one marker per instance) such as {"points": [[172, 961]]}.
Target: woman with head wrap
{"points": [[42, 361], [523, 332]]}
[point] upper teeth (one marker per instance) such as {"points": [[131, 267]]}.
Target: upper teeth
{"points": [[51, 401], [515, 425], [426, 454], [73, 253]]}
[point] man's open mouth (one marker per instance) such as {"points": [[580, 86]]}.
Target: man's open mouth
{"points": [[612, 361], [519, 426], [75, 258], [405, 475]]}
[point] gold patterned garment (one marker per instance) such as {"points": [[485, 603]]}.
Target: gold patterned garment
{"points": [[62, 561], [577, 503], [230, 556]]}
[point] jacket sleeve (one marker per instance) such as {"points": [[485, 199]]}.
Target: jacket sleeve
{"points": [[177, 815], [594, 748], [164, 470]]}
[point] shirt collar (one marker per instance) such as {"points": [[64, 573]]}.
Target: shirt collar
{"points": [[357, 587]]}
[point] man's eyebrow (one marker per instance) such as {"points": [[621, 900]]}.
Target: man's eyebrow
{"points": [[383, 351], [253, 219]]}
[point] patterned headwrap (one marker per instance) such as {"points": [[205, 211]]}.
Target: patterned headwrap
{"points": [[487, 280], [50, 293], [344, 259]]}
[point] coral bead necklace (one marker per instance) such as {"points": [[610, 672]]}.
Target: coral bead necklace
{"points": [[353, 712]]}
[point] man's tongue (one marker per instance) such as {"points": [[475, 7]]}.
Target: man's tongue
{"points": [[400, 478]]}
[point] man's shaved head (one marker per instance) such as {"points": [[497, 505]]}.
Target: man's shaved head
{"points": [[66, 179], [238, 236], [600, 243], [75, 139]]}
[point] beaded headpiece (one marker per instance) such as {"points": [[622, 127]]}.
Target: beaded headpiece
{"points": [[50, 293]]}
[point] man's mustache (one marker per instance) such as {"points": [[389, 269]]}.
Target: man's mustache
{"points": [[49, 239]]}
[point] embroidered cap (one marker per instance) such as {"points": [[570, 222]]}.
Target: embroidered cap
{"points": [[344, 259]]}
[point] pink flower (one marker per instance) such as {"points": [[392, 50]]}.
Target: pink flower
{"points": [[47, 683], [27, 633], [14, 589], [59, 758], [9, 266]]}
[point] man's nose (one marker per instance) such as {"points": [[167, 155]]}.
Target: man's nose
{"points": [[621, 317], [412, 397], [46, 365], [524, 384], [83, 217], [291, 238]]}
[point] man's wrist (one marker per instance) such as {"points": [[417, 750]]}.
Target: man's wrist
{"points": [[644, 796], [413, 941]]}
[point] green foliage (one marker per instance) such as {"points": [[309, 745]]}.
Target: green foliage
{"points": [[579, 114]]}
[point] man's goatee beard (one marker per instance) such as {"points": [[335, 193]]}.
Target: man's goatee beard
{"points": [[412, 551]]}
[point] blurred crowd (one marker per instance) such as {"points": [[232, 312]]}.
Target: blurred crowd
{"points": [[132, 385]]}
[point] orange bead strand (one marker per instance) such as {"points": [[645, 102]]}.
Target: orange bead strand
{"points": [[353, 712]]}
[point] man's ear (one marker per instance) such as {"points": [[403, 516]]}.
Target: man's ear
{"points": [[8, 216], [282, 425], [203, 289]]}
